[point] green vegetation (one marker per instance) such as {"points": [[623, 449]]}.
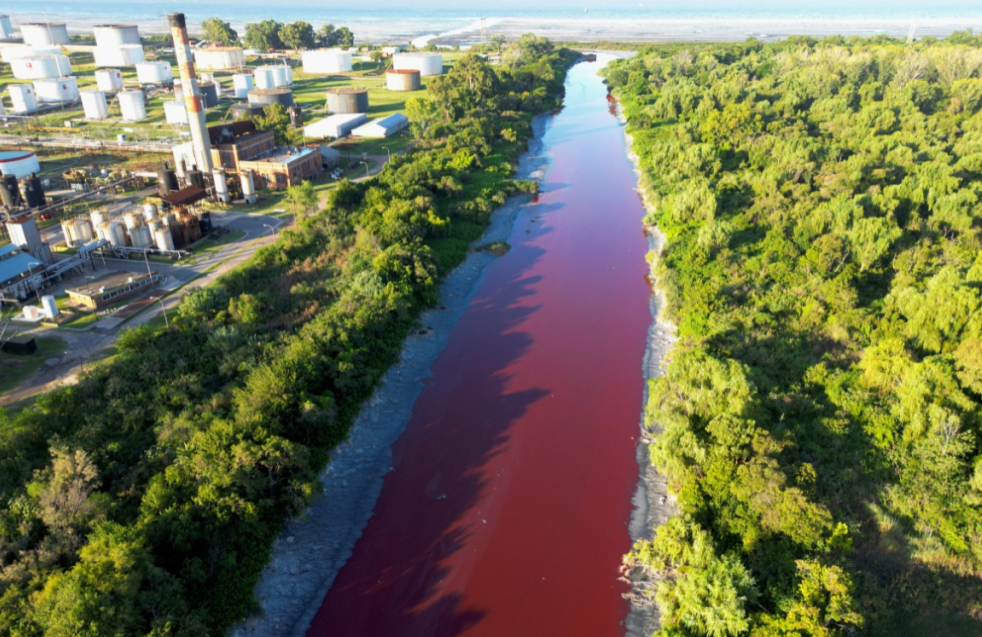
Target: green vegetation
{"points": [[819, 420], [270, 34], [144, 500], [14, 370], [219, 31]]}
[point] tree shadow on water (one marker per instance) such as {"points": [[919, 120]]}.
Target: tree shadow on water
{"points": [[393, 585]]}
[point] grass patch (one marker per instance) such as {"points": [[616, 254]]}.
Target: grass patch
{"points": [[206, 246], [15, 370]]}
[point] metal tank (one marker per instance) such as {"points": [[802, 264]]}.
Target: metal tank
{"points": [[175, 112], [404, 80], [219, 58], [242, 83], [23, 98], [163, 238], [94, 105], [281, 75], [325, 61], [116, 34], [154, 72], [248, 186], [44, 33], [209, 93], [132, 105], [343, 101], [246, 111], [52, 91], [166, 180], [296, 116], [78, 232], [119, 55], [112, 231], [221, 186], [264, 77], [141, 237], [149, 211], [98, 218], [109, 80], [40, 67], [33, 192], [426, 63], [132, 220], [268, 96]]}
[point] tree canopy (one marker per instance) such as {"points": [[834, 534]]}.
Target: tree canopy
{"points": [[218, 31]]}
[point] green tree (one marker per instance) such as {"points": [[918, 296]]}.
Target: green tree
{"points": [[277, 120], [218, 31], [264, 35], [327, 36], [344, 38], [298, 35], [302, 198]]}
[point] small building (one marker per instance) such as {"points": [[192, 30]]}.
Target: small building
{"points": [[20, 272], [330, 157], [383, 127], [284, 167], [112, 289], [335, 126], [239, 141]]}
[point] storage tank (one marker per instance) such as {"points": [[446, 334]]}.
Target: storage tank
{"points": [[109, 80], [248, 186], [404, 80], [209, 93], [62, 89], [94, 104], [44, 33], [221, 186], [132, 105], [281, 75], [219, 59], [175, 112], [141, 237], [116, 34], [426, 63], [264, 77], [40, 67], [23, 98], [19, 163], [149, 211], [268, 96], [98, 218], [242, 83], [112, 231], [163, 238], [121, 55], [6, 28], [246, 111], [132, 220], [154, 72], [342, 101], [11, 53], [323, 61], [78, 232]]}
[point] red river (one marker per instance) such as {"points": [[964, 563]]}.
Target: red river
{"points": [[507, 510]]}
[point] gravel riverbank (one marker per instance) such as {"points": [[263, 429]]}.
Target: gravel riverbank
{"points": [[308, 555]]}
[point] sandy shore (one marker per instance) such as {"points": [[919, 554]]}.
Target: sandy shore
{"points": [[310, 552]]}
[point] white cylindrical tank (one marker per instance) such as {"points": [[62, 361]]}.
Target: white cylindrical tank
{"points": [[132, 105], [62, 89], [116, 34], [426, 63], [264, 77], [19, 163], [175, 112], [44, 34], [219, 59], [163, 238], [41, 67], [109, 80], [132, 220], [6, 28], [281, 75], [10, 53], [49, 306], [221, 187], [23, 97], [242, 83], [248, 186], [149, 211], [112, 231], [323, 61], [98, 218], [141, 237], [121, 55], [94, 104], [154, 72], [78, 232]]}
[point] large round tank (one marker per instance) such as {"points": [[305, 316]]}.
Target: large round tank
{"points": [[426, 63], [323, 61], [343, 101], [141, 237], [116, 34], [264, 77], [44, 33], [23, 97], [267, 96], [6, 28], [94, 104], [149, 211], [404, 80], [154, 72], [78, 232], [219, 59], [281, 75], [175, 112], [246, 111], [242, 83], [119, 55], [62, 89], [209, 93], [163, 238], [112, 231], [132, 105], [19, 163], [132, 220], [109, 80], [98, 218], [40, 67]]}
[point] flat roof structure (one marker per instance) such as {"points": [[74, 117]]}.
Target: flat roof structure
{"points": [[15, 264]]}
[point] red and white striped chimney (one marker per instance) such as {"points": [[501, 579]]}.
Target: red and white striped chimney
{"points": [[192, 95]]}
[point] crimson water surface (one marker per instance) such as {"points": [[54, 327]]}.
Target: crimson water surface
{"points": [[506, 513]]}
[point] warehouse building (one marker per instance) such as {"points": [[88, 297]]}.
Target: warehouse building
{"points": [[381, 128], [285, 167], [335, 126], [112, 289]]}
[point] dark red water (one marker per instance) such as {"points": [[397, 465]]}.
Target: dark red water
{"points": [[507, 511]]}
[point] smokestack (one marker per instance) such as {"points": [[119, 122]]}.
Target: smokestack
{"points": [[192, 95]]}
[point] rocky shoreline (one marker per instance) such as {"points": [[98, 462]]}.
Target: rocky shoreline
{"points": [[307, 556]]}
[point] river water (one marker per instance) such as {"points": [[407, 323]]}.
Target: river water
{"points": [[507, 509]]}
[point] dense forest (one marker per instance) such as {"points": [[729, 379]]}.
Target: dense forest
{"points": [[819, 420], [145, 499]]}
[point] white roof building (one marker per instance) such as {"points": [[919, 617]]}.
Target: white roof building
{"points": [[335, 126], [382, 127]]}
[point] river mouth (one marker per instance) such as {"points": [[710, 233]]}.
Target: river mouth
{"points": [[506, 509]]}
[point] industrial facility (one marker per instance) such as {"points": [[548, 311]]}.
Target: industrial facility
{"points": [[403, 80], [381, 128], [112, 289], [343, 101], [219, 58]]}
